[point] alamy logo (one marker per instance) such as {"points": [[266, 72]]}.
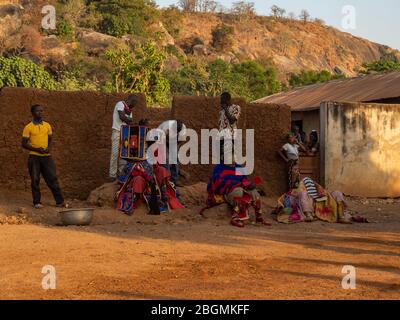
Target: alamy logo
{"points": [[225, 144], [349, 280], [349, 18], [49, 20], [49, 279]]}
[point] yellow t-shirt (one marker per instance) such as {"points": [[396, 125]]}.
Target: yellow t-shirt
{"points": [[38, 135]]}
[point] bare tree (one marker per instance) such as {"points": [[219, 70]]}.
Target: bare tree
{"points": [[319, 21], [292, 16], [188, 5], [277, 12], [243, 8], [304, 16], [207, 5]]}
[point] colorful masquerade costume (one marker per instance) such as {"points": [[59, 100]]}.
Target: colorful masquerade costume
{"points": [[310, 201], [226, 185], [143, 181]]}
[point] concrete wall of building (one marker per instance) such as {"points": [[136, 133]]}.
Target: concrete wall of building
{"points": [[361, 143]]}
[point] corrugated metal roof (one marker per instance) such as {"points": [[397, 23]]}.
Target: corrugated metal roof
{"points": [[360, 89]]}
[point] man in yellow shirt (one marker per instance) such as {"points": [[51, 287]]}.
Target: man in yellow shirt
{"points": [[37, 138]]}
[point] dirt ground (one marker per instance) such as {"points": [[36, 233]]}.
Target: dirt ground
{"points": [[180, 255]]}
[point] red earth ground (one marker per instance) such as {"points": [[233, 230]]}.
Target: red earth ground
{"points": [[180, 255]]}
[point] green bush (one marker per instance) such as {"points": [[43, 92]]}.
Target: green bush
{"points": [[114, 26], [65, 30], [172, 20], [73, 81], [140, 71], [310, 77], [19, 72], [120, 17], [248, 79], [173, 50], [381, 66]]}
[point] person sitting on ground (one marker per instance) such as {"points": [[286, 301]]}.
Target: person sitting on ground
{"points": [[309, 202], [290, 153], [141, 180], [173, 129], [37, 137], [226, 185]]}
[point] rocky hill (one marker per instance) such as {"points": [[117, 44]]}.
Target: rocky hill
{"points": [[290, 44]]}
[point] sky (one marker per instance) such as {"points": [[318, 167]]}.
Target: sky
{"points": [[377, 21]]}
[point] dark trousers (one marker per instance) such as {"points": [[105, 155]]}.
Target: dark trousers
{"points": [[44, 166], [173, 170]]}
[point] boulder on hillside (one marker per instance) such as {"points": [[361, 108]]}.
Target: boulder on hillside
{"points": [[165, 38], [10, 20], [96, 42], [200, 50]]}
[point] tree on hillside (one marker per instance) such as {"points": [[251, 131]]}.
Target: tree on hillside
{"points": [[120, 17], [310, 77], [304, 16], [188, 5], [140, 71], [243, 8], [222, 37], [319, 21], [277, 12], [292, 16], [207, 5], [247, 79]]}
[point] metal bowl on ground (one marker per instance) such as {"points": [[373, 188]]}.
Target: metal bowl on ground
{"points": [[77, 217]]}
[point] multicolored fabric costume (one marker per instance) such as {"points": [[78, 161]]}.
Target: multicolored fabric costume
{"points": [[225, 185], [310, 201], [141, 180]]}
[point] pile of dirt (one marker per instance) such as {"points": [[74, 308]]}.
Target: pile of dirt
{"points": [[13, 219], [103, 196]]}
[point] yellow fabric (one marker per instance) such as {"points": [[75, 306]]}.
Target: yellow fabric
{"points": [[328, 210], [38, 135]]}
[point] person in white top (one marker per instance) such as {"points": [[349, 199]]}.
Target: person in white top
{"points": [[173, 129], [228, 118], [122, 115], [290, 152]]}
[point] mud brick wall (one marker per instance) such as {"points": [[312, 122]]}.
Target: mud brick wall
{"points": [[82, 130], [271, 123], [82, 135]]}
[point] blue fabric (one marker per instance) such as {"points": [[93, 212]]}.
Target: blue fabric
{"points": [[224, 179]]}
